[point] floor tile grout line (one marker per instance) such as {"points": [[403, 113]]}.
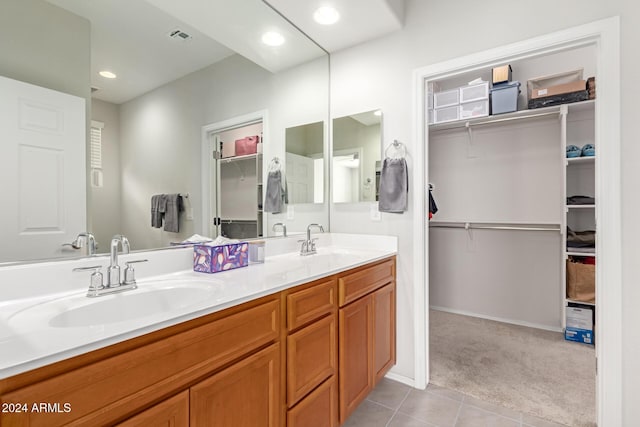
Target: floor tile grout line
{"points": [[495, 413], [398, 408]]}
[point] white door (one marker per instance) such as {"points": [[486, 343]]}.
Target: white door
{"points": [[42, 170], [300, 176]]}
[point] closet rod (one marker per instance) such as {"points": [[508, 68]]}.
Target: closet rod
{"points": [[485, 226], [491, 120]]}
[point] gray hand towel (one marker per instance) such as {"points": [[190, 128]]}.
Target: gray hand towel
{"points": [[157, 210], [394, 185], [276, 193], [172, 213]]}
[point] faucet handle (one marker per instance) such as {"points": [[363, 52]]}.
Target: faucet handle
{"points": [[129, 272], [96, 279]]}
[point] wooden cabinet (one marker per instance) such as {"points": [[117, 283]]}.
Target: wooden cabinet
{"points": [[173, 412], [366, 331], [304, 357], [245, 394], [319, 409], [356, 339]]}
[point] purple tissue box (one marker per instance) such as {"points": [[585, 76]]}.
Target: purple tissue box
{"points": [[213, 259]]}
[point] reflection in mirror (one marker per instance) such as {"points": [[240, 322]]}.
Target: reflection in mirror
{"points": [[148, 120], [305, 163], [356, 157]]}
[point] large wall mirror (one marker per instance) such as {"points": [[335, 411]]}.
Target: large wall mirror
{"points": [[179, 66], [304, 146], [356, 157]]}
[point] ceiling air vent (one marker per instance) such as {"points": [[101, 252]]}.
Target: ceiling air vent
{"points": [[178, 34]]}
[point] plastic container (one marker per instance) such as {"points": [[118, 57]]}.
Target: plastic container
{"points": [[475, 92], [446, 98], [504, 98], [470, 110], [446, 114], [256, 251]]}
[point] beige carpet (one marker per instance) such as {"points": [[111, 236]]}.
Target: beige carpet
{"points": [[526, 369]]}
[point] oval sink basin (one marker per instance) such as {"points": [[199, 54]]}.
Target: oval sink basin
{"points": [[151, 299], [128, 305]]}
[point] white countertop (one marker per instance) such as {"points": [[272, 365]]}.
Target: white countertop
{"points": [[33, 332]]}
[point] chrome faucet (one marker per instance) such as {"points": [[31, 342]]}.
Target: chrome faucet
{"points": [[84, 240], [113, 285], [113, 273], [284, 228], [309, 246]]}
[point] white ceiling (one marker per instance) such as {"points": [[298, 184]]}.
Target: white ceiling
{"points": [[130, 37], [360, 20]]}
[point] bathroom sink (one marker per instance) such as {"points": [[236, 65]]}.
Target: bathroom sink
{"points": [[128, 305], [79, 311]]}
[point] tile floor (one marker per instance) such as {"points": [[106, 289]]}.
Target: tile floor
{"points": [[392, 404]]}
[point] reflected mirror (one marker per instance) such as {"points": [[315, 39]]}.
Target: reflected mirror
{"points": [[178, 66], [304, 146], [356, 157]]}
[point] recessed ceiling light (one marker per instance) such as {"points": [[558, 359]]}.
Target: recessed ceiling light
{"points": [[107, 74], [326, 15], [272, 38]]}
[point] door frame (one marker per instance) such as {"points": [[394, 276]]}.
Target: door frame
{"points": [[605, 35], [208, 164]]}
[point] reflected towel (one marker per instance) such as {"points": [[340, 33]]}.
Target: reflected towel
{"points": [[172, 212], [276, 194], [158, 204], [394, 185]]}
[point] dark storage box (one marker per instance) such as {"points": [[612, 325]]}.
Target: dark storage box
{"points": [[565, 98]]}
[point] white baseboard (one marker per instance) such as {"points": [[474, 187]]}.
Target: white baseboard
{"points": [[401, 379], [499, 319]]}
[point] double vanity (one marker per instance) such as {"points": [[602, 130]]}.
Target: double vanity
{"points": [[295, 341]]}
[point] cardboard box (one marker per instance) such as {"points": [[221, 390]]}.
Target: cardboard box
{"points": [[213, 259], [579, 325], [577, 86], [501, 74], [546, 82]]}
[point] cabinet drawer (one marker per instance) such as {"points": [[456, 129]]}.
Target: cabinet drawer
{"points": [[309, 304], [311, 358], [115, 387], [172, 412], [355, 285], [319, 409]]}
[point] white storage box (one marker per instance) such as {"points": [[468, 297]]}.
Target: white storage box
{"points": [[446, 114], [474, 92], [579, 325], [470, 110], [446, 98]]}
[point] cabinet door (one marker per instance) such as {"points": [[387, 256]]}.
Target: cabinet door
{"points": [[311, 358], [246, 394], [173, 412], [355, 354], [318, 409], [384, 330]]}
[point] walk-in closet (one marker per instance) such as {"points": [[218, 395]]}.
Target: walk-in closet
{"points": [[512, 245]]}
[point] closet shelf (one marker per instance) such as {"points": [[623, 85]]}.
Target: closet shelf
{"points": [[533, 114], [574, 160], [581, 206], [238, 158], [589, 254]]}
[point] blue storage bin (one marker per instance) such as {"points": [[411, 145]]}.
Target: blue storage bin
{"points": [[504, 98]]}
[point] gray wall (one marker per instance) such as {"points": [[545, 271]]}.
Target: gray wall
{"points": [[439, 30], [104, 207]]}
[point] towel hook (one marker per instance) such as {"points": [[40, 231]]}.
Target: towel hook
{"points": [[398, 147]]}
